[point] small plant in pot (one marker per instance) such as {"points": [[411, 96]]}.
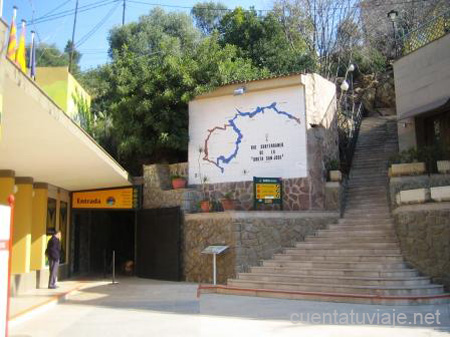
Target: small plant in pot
{"points": [[205, 203], [178, 182], [332, 168], [228, 203]]}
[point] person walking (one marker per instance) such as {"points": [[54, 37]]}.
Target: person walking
{"points": [[53, 252]]}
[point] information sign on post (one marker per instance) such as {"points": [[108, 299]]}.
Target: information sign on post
{"points": [[267, 191], [215, 250]]}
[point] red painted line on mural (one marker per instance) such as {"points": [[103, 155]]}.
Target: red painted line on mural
{"points": [[271, 291], [210, 132]]}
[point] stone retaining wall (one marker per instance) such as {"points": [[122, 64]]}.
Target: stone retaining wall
{"points": [[298, 194], [252, 237], [158, 192], [397, 184], [424, 235]]}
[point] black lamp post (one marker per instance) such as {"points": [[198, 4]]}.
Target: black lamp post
{"points": [[392, 15]]}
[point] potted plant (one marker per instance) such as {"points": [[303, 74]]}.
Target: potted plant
{"points": [[178, 181], [407, 163], [228, 202], [443, 160], [333, 170], [443, 166], [205, 203]]}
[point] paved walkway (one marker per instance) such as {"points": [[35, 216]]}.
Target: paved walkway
{"points": [[139, 307], [26, 303]]}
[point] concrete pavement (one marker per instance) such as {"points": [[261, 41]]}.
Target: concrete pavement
{"points": [[139, 307]]}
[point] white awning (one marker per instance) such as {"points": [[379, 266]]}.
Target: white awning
{"points": [[40, 141]]}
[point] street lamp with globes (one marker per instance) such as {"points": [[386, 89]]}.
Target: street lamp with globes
{"points": [[392, 15]]}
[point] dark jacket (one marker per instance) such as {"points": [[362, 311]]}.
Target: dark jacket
{"points": [[53, 250]]}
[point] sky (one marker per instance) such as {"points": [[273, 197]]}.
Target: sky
{"points": [[109, 12]]}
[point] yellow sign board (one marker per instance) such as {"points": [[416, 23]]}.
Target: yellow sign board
{"points": [[120, 198], [268, 191]]}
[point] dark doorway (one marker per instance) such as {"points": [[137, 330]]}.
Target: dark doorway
{"points": [[96, 234], [159, 244]]}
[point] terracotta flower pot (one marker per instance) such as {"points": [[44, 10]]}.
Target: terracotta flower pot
{"points": [[227, 204], [179, 183], [205, 205]]}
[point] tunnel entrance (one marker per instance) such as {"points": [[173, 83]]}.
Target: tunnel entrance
{"points": [[96, 234]]}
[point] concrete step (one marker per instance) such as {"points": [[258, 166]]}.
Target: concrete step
{"points": [[342, 245], [352, 183], [337, 298], [380, 202], [342, 251], [384, 210], [363, 221], [373, 217], [334, 265], [368, 172], [366, 177], [352, 232], [341, 239], [369, 190], [358, 281], [345, 227], [319, 272], [430, 289], [366, 206], [332, 258]]}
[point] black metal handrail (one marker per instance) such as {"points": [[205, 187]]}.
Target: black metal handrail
{"points": [[426, 33], [349, 124]]}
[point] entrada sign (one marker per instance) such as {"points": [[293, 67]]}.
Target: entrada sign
{"points": [[119, 198], [267, 191]]}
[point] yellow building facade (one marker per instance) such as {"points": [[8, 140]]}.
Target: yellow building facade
{"points": [[64, 89], [45, 156]]}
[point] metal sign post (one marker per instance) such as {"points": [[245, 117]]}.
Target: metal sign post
{"points": [[215, 250]]}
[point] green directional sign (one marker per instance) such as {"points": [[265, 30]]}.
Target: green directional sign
{"points": [[267, 191]]}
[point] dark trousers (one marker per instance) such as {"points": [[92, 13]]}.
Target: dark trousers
{"points": [[54, 265]]}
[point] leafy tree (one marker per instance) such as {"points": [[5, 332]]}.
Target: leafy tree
{"points": [[207, 15], [76, 56], [49, 55], [264, 40], [158, 65]]}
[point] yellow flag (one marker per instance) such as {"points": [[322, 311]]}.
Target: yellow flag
{"points": [[12, 42], [21, 51]]}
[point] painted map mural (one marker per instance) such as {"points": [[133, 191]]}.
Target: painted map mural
{"points": [[235, 138]]}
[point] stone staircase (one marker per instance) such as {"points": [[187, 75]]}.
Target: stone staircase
{"points": [[356, 260]]}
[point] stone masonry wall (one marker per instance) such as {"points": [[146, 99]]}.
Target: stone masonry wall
{"points": [[298, 194], [424, 235], [397, 184], [158, 192], [252, 237]]}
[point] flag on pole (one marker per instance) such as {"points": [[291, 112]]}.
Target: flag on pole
{"points": [[21, 59], [32, 65], [12, 42]]}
